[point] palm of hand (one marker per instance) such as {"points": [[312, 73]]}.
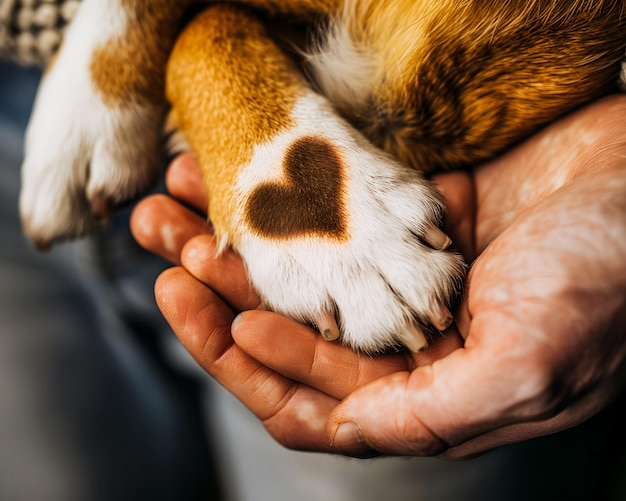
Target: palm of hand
{"points": [[544, 314], [542, 317]]}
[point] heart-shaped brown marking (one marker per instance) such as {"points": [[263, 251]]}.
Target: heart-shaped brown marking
{"points": [[308, 201]]}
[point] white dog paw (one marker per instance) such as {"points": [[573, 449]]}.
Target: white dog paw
{"points": [[84, 153], [82, 158], [338, 231]]}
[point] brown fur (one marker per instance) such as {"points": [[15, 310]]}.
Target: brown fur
{"points": [[232, 89], [456, 82], [131, 68], [309, 201], [465, 80], [301, 10]]}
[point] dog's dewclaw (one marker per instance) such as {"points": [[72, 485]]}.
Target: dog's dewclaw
{"points": [[327, 326], [442, 318], [414, 338], [437, 239]]}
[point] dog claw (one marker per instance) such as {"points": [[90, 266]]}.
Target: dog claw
{"points": [[442, 319], [100, 206], [327, 325], [414, 339], [42, 245], [437, 239]]}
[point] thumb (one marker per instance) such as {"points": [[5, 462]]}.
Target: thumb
{"points": [[378, 418], [429, 410]]}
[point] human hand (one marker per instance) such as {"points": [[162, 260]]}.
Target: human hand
{"points": [[540, 342]]}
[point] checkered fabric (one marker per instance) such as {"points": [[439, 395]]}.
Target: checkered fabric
{"points": [[31, 30]]}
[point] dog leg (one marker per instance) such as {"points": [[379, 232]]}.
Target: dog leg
{"points": [[331, 229], [94, 137]]}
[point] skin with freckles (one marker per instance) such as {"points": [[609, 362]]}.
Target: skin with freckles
{"points": [[538, 344]]}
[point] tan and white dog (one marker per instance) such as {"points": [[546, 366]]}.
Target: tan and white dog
{"points": [[314, 174]]}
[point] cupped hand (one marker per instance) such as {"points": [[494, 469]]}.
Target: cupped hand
{"points": [[540, 338]]}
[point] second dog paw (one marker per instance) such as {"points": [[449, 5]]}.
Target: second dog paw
{"points": [[83, 157]]}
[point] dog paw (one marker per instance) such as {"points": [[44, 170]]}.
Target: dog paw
{"points": [[83, 155], [342, 236]]}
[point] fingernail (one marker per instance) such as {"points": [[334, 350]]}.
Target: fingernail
{"points": [[349, 439], [236, 322]]}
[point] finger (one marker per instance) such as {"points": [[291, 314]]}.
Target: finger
{"points": [[300, 353], [459, 193], [378, 417], [294, 414], [184, 181], [163, 226], [225, 272], [440, 346]]}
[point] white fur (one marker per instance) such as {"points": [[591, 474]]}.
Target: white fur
{"points": [[382, 278], [76, 146], [176, 142], [345, 70]]}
